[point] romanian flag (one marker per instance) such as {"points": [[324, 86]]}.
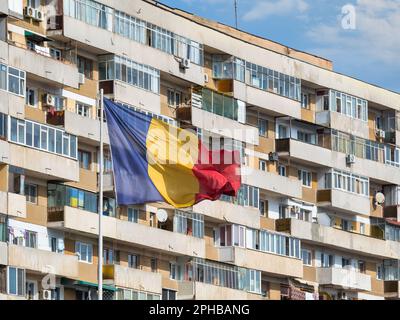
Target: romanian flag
{"points": [[154, 161]]}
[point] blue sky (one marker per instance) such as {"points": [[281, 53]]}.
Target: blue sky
{"points": [[368, 48]]}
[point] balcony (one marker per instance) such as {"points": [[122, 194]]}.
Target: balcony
{"points": [[219, 114], [3, 253], [12, 104], [324, 157], [392, 289], [125, 277], [188, 290], [343, 278], [76, 220], [274, 103], [344, 201], [16, 205], [339, 239], [263, 261], [342, 123], [43, 66], [273, 182], [87, 129], [110, 42], [48, 165], [132, 95], [43, 261], [225, 211]]}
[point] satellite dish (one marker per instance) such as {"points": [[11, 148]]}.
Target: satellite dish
{"points": [[380, 198], [162, 215]]}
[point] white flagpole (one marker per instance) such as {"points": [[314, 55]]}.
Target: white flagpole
{"points": [[101, 191]]}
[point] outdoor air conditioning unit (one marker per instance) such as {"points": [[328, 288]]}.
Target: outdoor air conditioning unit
{"points": [[38, 15], [49, 100], [185, 63], [381, 134], [351, 159], [29, 12], [273, 156], [81, 78]]}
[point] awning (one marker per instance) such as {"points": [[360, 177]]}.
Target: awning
{"points": [[36, 37], [69, 282]]}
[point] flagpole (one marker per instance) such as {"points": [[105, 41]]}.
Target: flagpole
{"points": [[101, 191]]}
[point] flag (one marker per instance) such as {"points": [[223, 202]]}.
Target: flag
{"points": [[154, 161]]}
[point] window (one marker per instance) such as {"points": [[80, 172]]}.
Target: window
{"points": [[262, 127], [326, 260], [84, 252], [85, 66], [264, 208], [83, 109], [16, 81], [31, 192], [305, 177], [263, 165], [84, 159], [307, 257], [133, 215], [16, 281], [254, 281], [230, 235], [174, 271], [30, 98], [362, 228], [361, 266], [133, 261], [153, 264], [168, 294], [282, 170], [110, 256], [130, 72], [347, 182], [191, 224], [57, 244], [3, 126], [3, 228], [305, 101], [30, 239], [3, 77], [43, 137], [55, 53], [379, 271], [174, 98], [346, 262]]}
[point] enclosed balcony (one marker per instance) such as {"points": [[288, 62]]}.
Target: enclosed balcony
{"points": [[339, 239], [334, 149], [220, 114], [145, 42]]}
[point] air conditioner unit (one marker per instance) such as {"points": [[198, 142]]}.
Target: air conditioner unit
{"points": [[381, 134], [29, 12], [46, 294], [351, 159], [38, 15], [185, 63], [49, 100], [81, 78], [273, 156]]}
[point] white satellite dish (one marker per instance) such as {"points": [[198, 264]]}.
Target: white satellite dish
{"points": [[380, 198], [162, 215]]}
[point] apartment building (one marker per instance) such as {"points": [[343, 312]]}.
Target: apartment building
{"points": [[318, 213]]}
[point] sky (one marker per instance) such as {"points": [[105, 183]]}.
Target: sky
{"points": [[361, 37]]}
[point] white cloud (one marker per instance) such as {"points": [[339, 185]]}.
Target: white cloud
{"points": [[264, 8], [375, 39]]}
